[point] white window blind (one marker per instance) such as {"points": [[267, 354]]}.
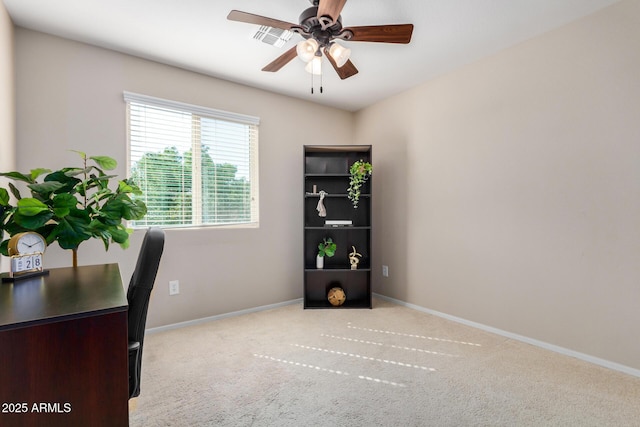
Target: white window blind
{"points": [[196, 166]]}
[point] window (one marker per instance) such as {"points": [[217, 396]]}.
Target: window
{"points": [[195, 166]]}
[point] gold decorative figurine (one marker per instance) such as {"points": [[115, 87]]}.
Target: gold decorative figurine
{"points": [[353, 258]]}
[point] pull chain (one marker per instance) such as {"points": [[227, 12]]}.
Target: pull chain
{"points": [[312, 72]]}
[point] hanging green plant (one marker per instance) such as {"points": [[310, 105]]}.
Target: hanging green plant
{"points": [[71, 205], [360, 172]]}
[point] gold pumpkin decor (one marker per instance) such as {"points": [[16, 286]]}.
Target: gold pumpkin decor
{"points": [[336, 296]]}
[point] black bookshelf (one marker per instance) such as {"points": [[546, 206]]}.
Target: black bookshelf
{"points": [[326, 167]]}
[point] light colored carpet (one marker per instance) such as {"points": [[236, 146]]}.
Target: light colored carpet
{"points": [[390, 366]]}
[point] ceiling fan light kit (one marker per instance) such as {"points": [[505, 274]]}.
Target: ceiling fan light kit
{"points": [[306, 49], [339, 53], [320, 25], [314, 66]]}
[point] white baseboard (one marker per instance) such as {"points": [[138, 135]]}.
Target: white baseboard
{"points": [[221, 316], [567, 352]]}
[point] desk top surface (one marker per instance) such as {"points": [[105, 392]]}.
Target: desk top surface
{"points": [[63, 294]]}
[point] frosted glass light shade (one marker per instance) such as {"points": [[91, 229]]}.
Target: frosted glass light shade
{"points": [[339, 53], [314, 66], [307, 49]]}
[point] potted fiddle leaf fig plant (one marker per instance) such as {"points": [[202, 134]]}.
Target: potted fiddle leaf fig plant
{"points": [[325, 248], [71, 205], [360, 172]]}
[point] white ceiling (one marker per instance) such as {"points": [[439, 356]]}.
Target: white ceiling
{"points": [[195, 35]]}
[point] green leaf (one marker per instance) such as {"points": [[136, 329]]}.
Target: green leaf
{"points": [[81, 153], [65, 200], [31, 222], [35, 173], [133, 210], [63, 203], [62, 177], [119, 234], [102, 194], [128, 186], [45, 188], [12, 228], [4, 248], [72, 230], [31, 207], [15, 191], [75, 171], [104, 177], [124, 187], [113, 209], [101, 181], [45, 231], [4, 197], [116, 233], [105, 162], [17, 176], [98, 229]]}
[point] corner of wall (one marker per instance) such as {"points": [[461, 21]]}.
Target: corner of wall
{"points": [[7, 100]]}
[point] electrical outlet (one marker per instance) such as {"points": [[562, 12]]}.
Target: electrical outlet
{"points": [[174, 287], [385, 270]]}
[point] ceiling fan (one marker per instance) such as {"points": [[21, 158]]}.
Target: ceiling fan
{"points": [[320, 26]]}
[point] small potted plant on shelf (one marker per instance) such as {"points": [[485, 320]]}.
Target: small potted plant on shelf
{"points": [[325, 248], [360, 172]]}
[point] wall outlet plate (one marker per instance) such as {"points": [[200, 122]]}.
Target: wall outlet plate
{"points": [[174, 287], [385, 270]]}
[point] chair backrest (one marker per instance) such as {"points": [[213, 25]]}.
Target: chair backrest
{"points": [[141, 284]]}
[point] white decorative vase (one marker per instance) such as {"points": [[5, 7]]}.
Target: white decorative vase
{"points": [[319, 262]]}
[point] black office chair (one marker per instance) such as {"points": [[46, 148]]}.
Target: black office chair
{"points": [[138, 294]]}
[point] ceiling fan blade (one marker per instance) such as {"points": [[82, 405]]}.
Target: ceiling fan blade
{"points": [[344, 72], [397, 33], [329, 11], [281, 60], [250, 18]]}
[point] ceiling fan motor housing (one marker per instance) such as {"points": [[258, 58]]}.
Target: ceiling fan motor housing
{"points": [[312, 27]]}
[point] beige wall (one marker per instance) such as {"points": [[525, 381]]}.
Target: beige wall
{"points": [[70, 97], [510, 189], [506, 193], [7, 98]]}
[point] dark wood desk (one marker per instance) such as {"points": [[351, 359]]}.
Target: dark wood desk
{"points": [[63, 349]]}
